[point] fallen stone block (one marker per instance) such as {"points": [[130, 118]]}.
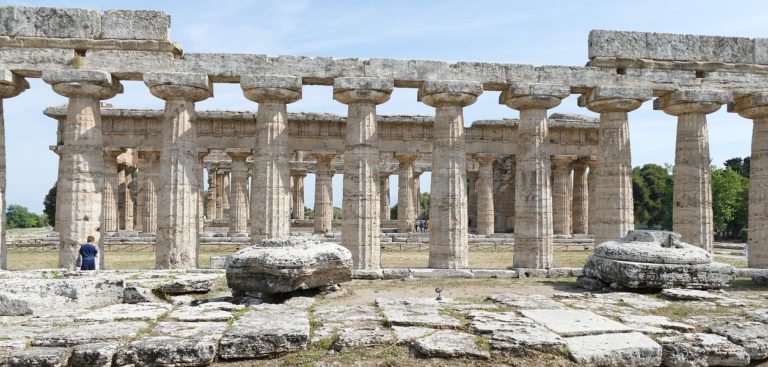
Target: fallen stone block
{"points": [[93, 355], [11, 305], [189, 284], [752, 336], [40, 356], [699, 350], [624, 349], [167, 351]]}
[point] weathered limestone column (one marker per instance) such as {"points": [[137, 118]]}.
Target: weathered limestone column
{"points": [[613, 209], [384, 195], [223, 194], [271, 185], [592, 163], [485, 208], [110, 192], [149, 167], [11, 85], [416, 182], [561, 198], [448, 208], [238, 211], [580, 211], [755, 107], [533, 197], [178, 222], [199, 171], [360, 231], [692, 210], [125, 180], [81, 184], [323, 192], [405, 196], [472, 198], [213, 185], [298, 193]]}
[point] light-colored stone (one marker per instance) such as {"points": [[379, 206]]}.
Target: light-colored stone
{"points": [[350, 338], [201, 330], [85, 333], [752, 336], [127, 312], [93, 355], [449, 344], [266, 333], [50, 22], [39, 356], [48, 296], [11, 305], [187, 284], [422, 312], [575, 322], [625, 349], [167, 351], [407, 334], [689, 295], [527, 339], [136, 24], [526, 302], [700, 350]]}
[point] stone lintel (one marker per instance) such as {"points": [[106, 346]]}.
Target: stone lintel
{"points": [[11, 85], [692, 101], [279, 88], [405, 157], [449, 92], [484, 158], [79, 82], [603, 93], [751, 106]]}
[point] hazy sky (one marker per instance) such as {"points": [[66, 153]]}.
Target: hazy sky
{"points": [[534, 32]]}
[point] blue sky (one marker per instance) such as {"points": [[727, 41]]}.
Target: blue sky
{"points": [[533, 32]]}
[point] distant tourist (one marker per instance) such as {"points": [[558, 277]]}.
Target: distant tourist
{"points": [[426, 225], [88, 256], [416, 226], [421, 226]]}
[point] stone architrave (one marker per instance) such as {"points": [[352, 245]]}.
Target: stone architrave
{"points": [[448, 197], [405, 217], [485, 208], [80, 184], [384, 195], [149, 167], [298, 192], [580, 203], [11, 85], [238, 211], [472, 198], [613, 212], [178, 194], [323, 192], [561, 194], [360, 230], [533, 196], [271, 184], [755, 107], [110, 192], [212, 210], [692, 209]]}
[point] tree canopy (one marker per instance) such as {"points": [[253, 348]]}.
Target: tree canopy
{"points": [[17, 216]]}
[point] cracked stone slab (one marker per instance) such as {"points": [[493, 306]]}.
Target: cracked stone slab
{"points": [[680, 294], [575, 322], [93, 355], [191, 330], [753, 336], [167, 351], [416, 312], [186, 284], [270, 331], [449, 344], [89, 333], [363, 337], [9, 346], [657, 321], [699, 349], [195, 313], [759, 315], [484, 322], [407, 334], [127, 312], [525, 339], [623, 349], [39, 356], [526, 302]]}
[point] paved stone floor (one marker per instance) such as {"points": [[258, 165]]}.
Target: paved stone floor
{"points": [[191, 320]]}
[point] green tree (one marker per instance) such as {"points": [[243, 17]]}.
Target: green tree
{"points": [[424, 204], [652, 194], [49, 204], [337, 213], [730, 190], [18, 216], [309, 213], [393, 212], [739, 165]]}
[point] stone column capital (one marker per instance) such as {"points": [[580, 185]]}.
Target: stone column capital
{"points": [[690, 101], [88, 83], [362, 90], [484, 159], [580, 165], [526, 96], [449, 93], [299, 172], [271, 88], [614, 99], [111, 154], [384, 174], [751, 106], [405, 157], [562, 161], [193, 87], [238, 155], [148, 155], [11, 85], [324, 156]]}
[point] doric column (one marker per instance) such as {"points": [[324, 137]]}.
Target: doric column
{"points": [[222, 195], [126, 189], [485, 208], [179, 190], [614, 209], [11, 85], [405, 217], [580, 205], [238, 211], [110, 192], [533, 197], [561, 194], [81, 184], [360, 231], [592, 163], [271, 184], [323, 192], [448, 197], [298, 192], [472, 198], [149, 168], [211, 208], [416, 182], [384, 195], [199, 171], [755, 107], [692, 209]]}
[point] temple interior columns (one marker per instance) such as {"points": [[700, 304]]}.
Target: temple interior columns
{"points": [[11, 85]]}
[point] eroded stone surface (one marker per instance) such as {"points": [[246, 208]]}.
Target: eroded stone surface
{"points": [[127, 312], [85, 333], [39, 356], [624, 349], [526, 339], [363, 337], [268, 332], [752, 336], [575, 322], [449, 344], [93, 355], [167, 351], [524, 302], [699, 349], [416, 312]]}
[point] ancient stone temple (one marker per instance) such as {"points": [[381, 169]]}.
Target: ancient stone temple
{"points": [[542, 175]]}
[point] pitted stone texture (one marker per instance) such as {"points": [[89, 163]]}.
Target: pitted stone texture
{"points": [[349, 338], [167, 351], [655, 321], [50, 22], [658, 247], [407, 334], [759, 315], [416, 312], [136, 24], [60, 295], [185, 284], [753, 336], [127, 312], [526, 302], [11, 305], [689, 295], [449, 344], [263, 333], [43, 357], [203, 330], [89, 333], [132, 295], [625, 349], [288, 264], [526, 340], [334, 318], [485, 322], [575, 322], [700, 350], [93, 355]]}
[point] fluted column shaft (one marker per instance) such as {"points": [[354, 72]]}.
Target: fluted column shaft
{"points": [[80, 186], [150, 173], [212, 210], [580, 211], [298, 194], [561, 196], [448, 197], [110, 192], [10, 86], [472, 198], [323, 193], [360, 231], [416, 207], [384, 195], [405, 218], [485, 208], [238, 211]]}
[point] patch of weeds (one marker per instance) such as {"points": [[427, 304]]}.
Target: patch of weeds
{"points": [[304, 358], [459, 315], [236, 314], [569, 305], [384, 321], [482, 343], [327, 342]]}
